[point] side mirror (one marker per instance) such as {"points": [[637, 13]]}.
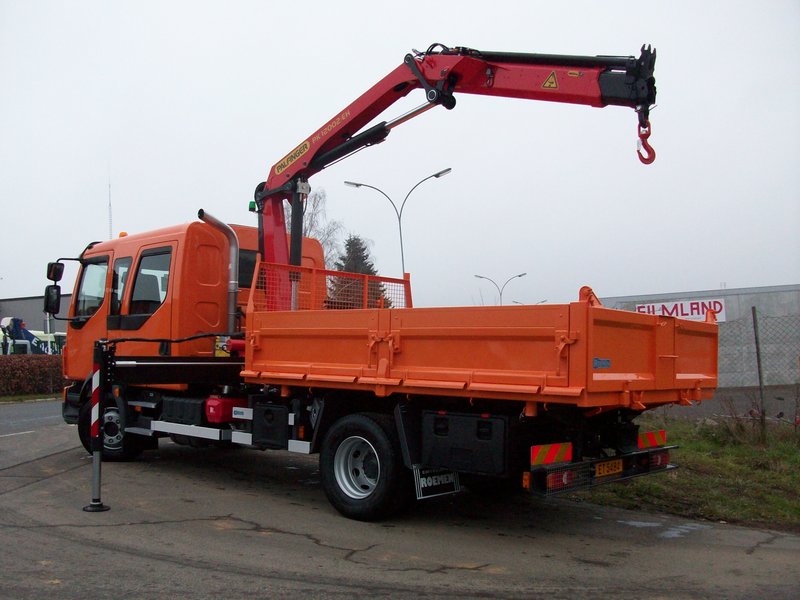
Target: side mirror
{"points": [[55, 271], [52, 298]]}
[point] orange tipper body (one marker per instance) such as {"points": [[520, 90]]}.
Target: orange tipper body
{"points": [[579, 353]]}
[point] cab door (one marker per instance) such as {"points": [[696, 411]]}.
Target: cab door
{"points": [[87, 315], [145, 301]]}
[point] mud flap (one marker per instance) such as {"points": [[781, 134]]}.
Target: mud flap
{"points": [[435, 482]]}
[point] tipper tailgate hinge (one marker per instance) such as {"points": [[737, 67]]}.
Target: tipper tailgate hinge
{"points": [[255, 340], [633, 399], [393, 339], [563, 340]]}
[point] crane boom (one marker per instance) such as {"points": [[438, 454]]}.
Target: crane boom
{"points": [[440, 71]]}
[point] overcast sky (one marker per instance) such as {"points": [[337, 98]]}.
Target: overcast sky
{"points": [[186, 105]]}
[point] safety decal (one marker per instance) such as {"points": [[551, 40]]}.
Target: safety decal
{"points": [[547, 454], [551, 83], [652, 439]]}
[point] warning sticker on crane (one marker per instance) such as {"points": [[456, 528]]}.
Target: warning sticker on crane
{"points": [[551, 83]]}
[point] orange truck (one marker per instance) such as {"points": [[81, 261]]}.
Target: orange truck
{"points": [[215, 334]]}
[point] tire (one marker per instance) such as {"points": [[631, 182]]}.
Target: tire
{"points": [[116, 445], [361, 468]]}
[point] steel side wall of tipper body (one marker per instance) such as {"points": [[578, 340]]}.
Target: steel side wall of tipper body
{"points": [[579, 353]]}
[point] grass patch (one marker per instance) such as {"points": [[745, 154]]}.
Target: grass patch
{"points": [[726, 475], [24, 398]]}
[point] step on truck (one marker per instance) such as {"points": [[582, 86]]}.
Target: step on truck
{"points": [[209, 333]]}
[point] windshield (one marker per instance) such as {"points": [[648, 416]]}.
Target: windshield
{"points": [[92, 288]]}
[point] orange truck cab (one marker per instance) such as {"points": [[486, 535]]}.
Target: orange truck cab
{"points": [[167, 284]]}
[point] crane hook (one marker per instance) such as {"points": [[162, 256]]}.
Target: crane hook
{"points": [[650, 154]]}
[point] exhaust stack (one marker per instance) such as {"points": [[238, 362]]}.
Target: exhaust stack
{"points": [[233, 265]]}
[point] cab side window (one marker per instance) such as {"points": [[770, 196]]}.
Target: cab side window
{"points": [[92, 289], [151, 281], [247, 266], [122, 267]]}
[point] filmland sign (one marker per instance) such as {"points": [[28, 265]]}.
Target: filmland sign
{"points": [[694, 310]]}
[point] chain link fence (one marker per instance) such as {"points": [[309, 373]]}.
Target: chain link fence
{"points": [[779, 342]]}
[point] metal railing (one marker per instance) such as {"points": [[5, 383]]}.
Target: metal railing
{"points": [[320, 289]]}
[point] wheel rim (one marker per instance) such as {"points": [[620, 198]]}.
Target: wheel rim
{"points": [[112, 431], [356, 467]]}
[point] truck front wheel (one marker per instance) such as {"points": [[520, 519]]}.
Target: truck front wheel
{"points": [[116, 444], [361, 468]]}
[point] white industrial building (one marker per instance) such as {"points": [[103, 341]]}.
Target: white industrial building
{"points": [[778, 313]]}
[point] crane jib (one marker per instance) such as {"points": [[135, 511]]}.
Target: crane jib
{"points": [[443, 72]]}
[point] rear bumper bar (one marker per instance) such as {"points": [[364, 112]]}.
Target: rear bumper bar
{"points": [[548, 480]]}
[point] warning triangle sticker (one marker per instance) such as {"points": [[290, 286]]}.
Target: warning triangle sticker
{"points": [[551, 83]]}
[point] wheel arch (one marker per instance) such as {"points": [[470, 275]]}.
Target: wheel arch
{"points": [[335, 404]]}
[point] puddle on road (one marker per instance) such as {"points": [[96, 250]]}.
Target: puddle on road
{"points": [[679, 531], [641, 524], [673, 532]]}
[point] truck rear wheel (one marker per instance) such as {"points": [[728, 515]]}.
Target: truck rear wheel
{"points": [[117, 446], [361, 468]]}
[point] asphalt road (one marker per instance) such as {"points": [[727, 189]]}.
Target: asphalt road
{"points": [[212, 523]]}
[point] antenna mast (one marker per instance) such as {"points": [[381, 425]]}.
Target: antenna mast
{"points": [[110, 234]]}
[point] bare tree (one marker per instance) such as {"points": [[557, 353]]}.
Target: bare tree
{"points": [[317, 225]]}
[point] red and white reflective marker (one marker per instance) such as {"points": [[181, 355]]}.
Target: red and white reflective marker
{"points": [[96, 505]]}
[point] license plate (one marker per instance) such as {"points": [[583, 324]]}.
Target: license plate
{"points": [[610, 467]]}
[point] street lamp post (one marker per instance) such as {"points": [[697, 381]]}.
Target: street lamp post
{"points": [[399, 213], [500, 288]]}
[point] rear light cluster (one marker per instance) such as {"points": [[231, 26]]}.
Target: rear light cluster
{"points": [[554, 480], [553, 472], [653, 460], [659, 460], [560, 480]]}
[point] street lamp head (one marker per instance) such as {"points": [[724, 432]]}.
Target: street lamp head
{"points": [[353, 184], [442, 173], [521, 275]]}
